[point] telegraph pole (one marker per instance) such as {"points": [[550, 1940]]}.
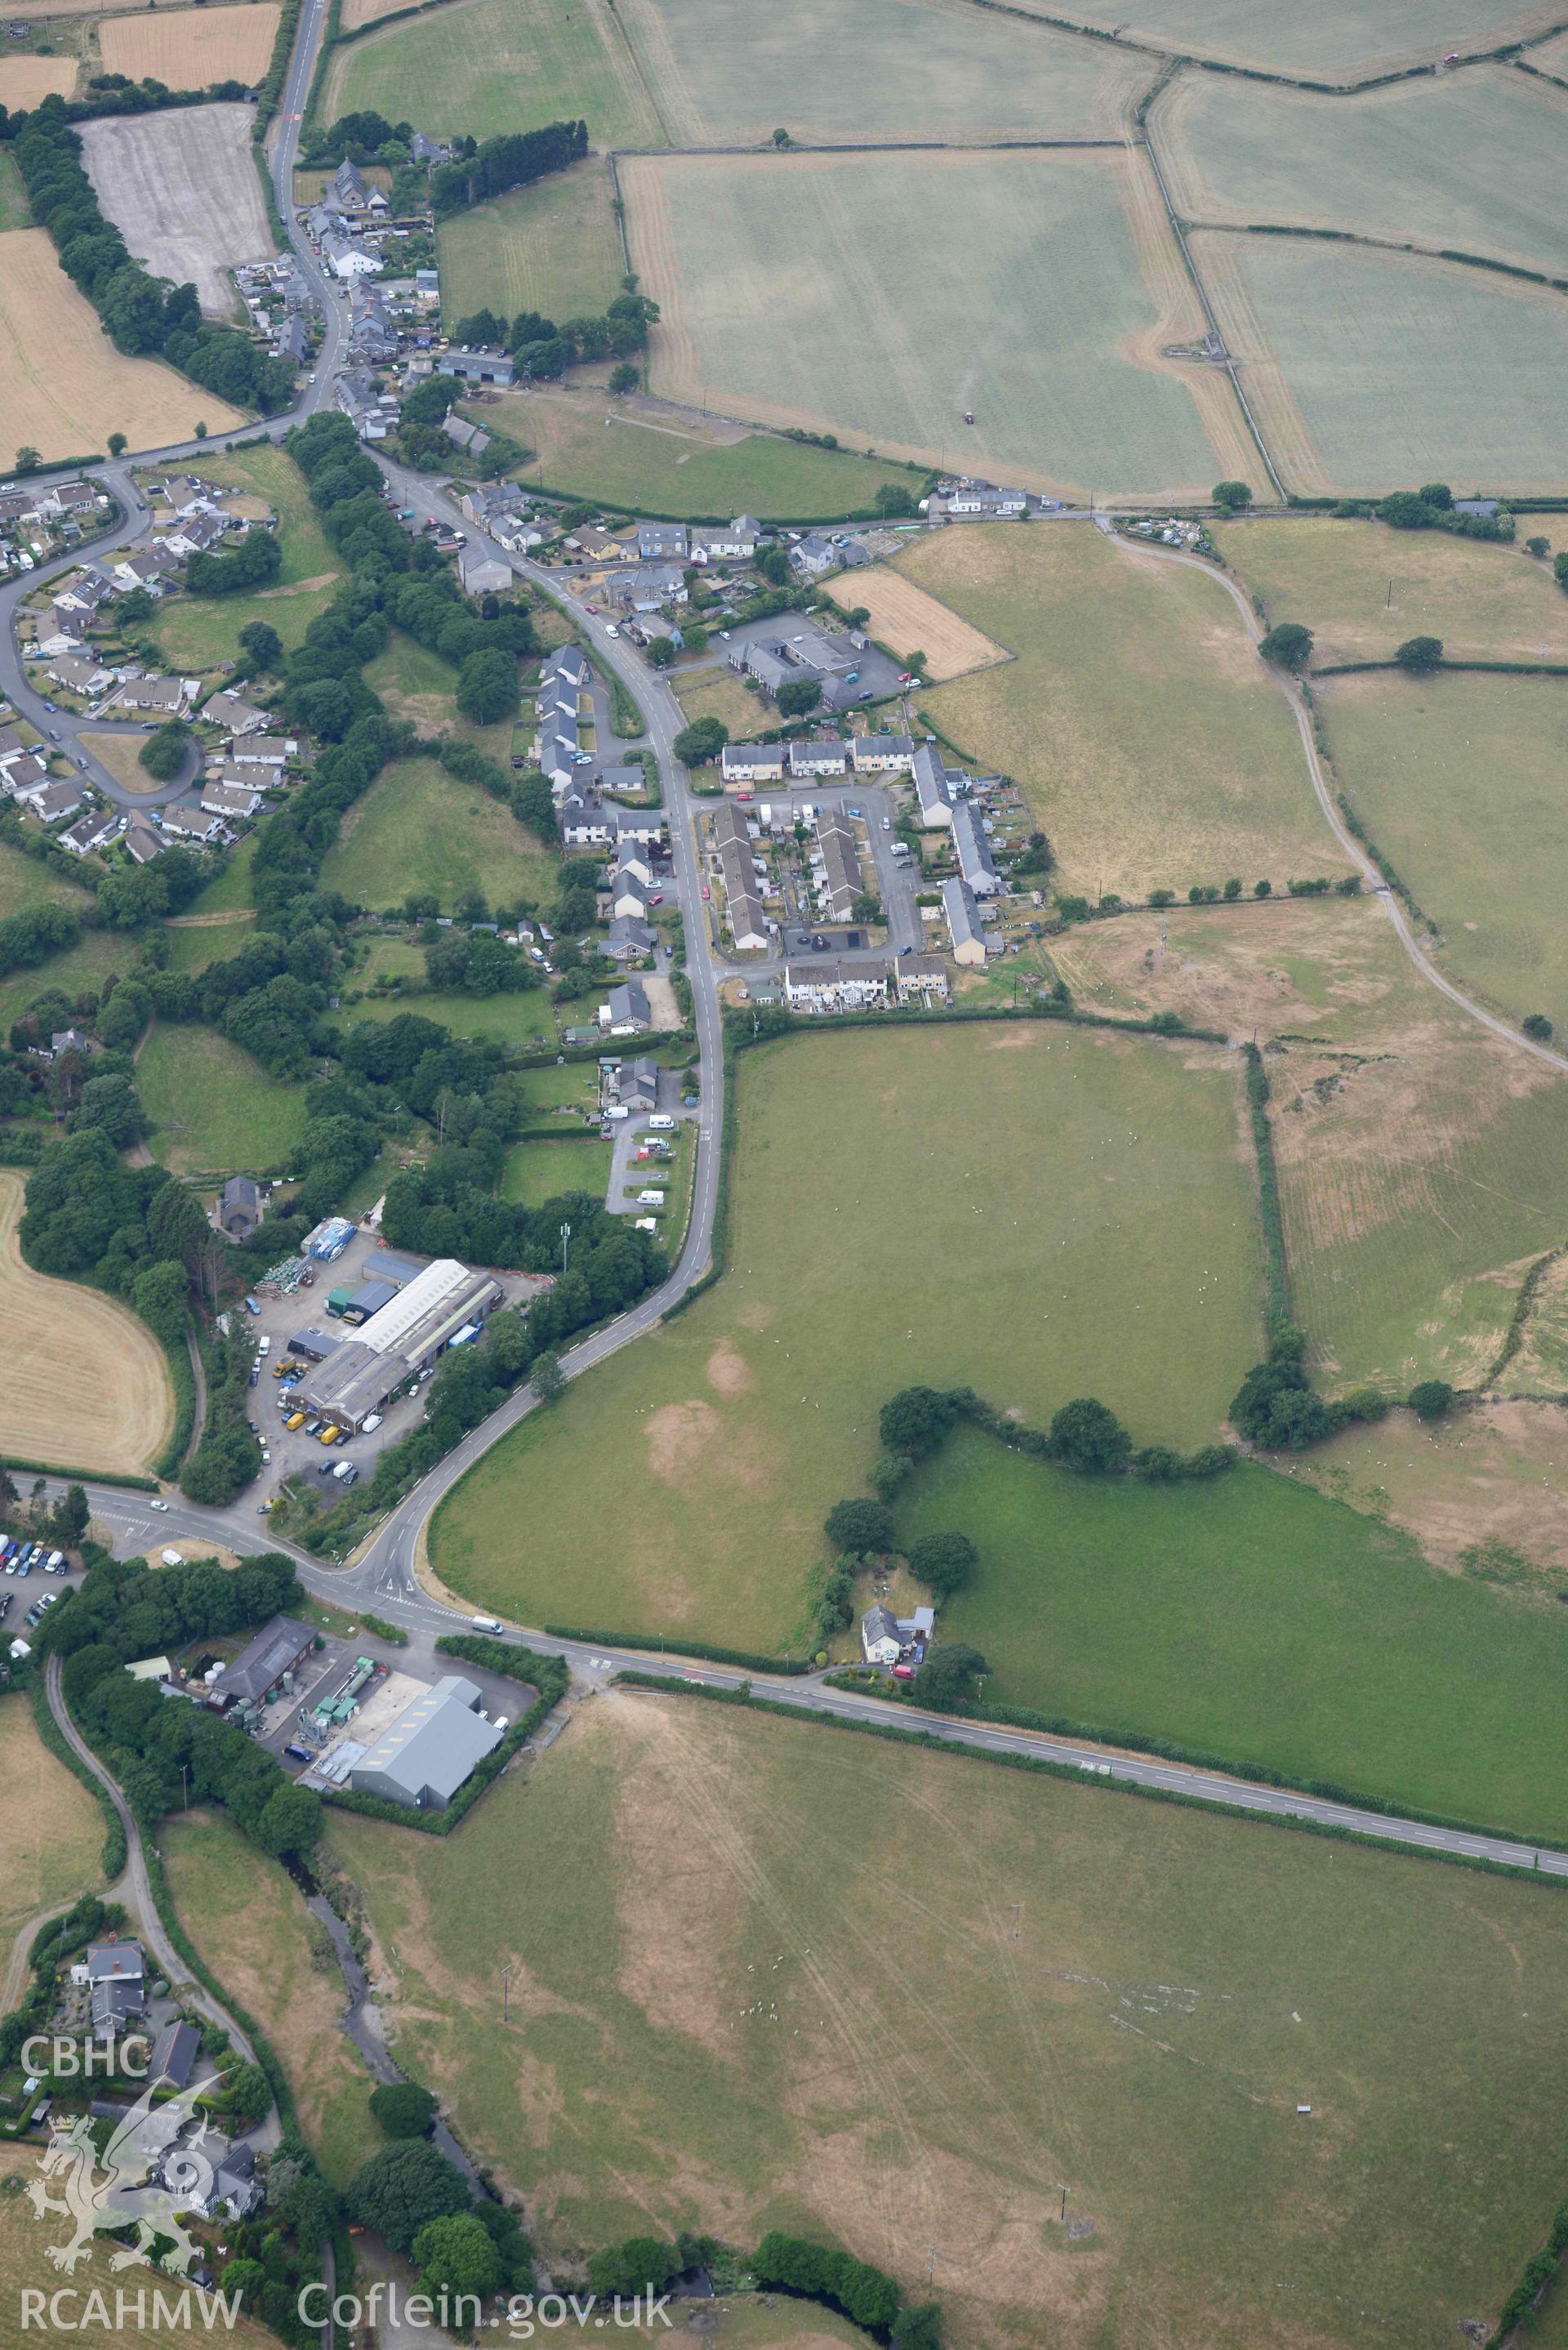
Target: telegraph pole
{"points": [[505, 1990]]}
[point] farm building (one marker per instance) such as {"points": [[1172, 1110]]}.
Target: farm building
{"points": [[477, 366], [359, 1376], [263, 1664], [429, 1749]]}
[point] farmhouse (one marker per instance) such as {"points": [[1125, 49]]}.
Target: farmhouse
{"points": [[969, 501], [266, 1667], [969, 943], [430, 1749], [751, 763], [814, 555], [879, 1641]]}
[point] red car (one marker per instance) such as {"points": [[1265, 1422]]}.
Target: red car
{"points": [[903, 1673], [706, 892]]}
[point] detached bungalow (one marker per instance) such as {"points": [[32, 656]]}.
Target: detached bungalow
{"points": [[627, 1012]]}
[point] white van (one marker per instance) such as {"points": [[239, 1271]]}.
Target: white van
{"points": [[486, 1623], [662, 1122], [263, 1345], [172, 1558]]}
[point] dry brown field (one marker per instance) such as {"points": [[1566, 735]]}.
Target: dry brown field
{"points": [[25, 81], [64, 388], [122, 755], [357, 13], [189, 48], [85, 1382], [183, 191], [51, 1830], [906, 619]]}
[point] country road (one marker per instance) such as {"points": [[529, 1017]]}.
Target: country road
{"points": [[384, 1575]]}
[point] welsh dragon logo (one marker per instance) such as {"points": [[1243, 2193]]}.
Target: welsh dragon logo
{"points": [[144, 2177]]}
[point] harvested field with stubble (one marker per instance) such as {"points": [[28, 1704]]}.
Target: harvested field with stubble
{"points": [[86, 1383], [1176, 762], [1423, 1163], [906, 619], [1078, 1188], [189, 48], [1370, 371], [24, 82], [479, 67], [51, 1829], [182, 189], [869, 2054], [1476, 161], [927, 70], [1335, 41], [62, 386], [1020, 287], [1362, 589]]}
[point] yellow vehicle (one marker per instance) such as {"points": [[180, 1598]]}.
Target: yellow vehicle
{"points": [[330, 1435], [280, 1369], [294, 1420]]}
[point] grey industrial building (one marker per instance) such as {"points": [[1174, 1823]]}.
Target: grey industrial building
{"points": [[431, 1748], [360, 1375]]}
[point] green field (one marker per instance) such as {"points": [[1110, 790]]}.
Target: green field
{"points": [[1183, 1612], [553, 247], [929, 69], [1362, 589], [1174, 763], [215, 1109], [596, 448], [537, 1172], [479, 67], [81, 969], [15, 209], [251, 1926], [1459, 781], [1008, 285], [193, 945], [1037, 1985], [415, 683], [231, 892], [526, 1019], [1338, 40], [26, 881], [198, 632], [1034, 1212], [418, 827], [1372, 371], [1472, 161]]}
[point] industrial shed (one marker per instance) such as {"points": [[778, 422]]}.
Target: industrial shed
{"points": [[430, 1749]]}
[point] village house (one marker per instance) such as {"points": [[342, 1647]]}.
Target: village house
{"points": [[836, 866], [835, 985], [630, 940], [93, 832], [734, 542], [233, 802], [662, 541], [163, 697], [636, 1085], [962, 913], [824, 755], [882, 754], [16, 774], [272, 751], [736, 864], [188, 823], [932, 796], [627, 1012], [143, 843], [648, 587], [79, 673], [976, 862], [240, 1206], [920, 979], [49, 801], [881, 1643], [484, 574], [233, 713], [751, 763]]}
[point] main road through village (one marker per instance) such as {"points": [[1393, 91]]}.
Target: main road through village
{"points": [[383, 1577]]}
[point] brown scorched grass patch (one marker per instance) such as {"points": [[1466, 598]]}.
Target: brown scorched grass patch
{"points": [[85, 1380], [25, 81], [906, 619]]}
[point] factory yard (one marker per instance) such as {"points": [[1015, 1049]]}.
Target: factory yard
{"points": [[183, 192]]}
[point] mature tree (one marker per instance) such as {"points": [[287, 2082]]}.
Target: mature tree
{"points": [[624, 378], [164, 754], [918, 2329], [859, 1526], [781, 137], [701, 743], [1560, 569], [1087, 1435], [71, 1515], [799, 696], [1275, 1405], [1231, 497], [640, 2264], [404, 2109], [661, 652], [866, 907], [402, 2188], [546, 1378], [1436, 495], [325, 706], [893, 498], [28, 459], [290, 1820], [915, 1420], [1536, 1024], [111, 1102], [245, 2093], [1538, 547], [456, 2255], [117, 445], [262, 646], [948, 1676], [1289, 645], [1420, 655], [247, 2278], [1431, 1398], [943, 1562], [487, 686]]}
